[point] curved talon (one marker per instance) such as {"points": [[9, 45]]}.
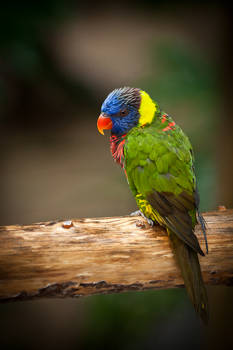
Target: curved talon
{"points": [[150, 222]]}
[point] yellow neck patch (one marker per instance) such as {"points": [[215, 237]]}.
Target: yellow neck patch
{"points": [[147, 109]]}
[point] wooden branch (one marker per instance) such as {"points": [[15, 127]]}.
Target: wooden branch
{"points": [[103, 255]]}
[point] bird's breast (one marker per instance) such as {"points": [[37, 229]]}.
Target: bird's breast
{"points": [[117, 149]]}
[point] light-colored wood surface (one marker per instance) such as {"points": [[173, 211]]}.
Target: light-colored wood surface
{"points": [[103, 255]]}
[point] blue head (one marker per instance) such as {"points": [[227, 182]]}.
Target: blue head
{"points": [[122, 108]]}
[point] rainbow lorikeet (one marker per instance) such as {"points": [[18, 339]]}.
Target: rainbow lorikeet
{"points": [[157, 158]]}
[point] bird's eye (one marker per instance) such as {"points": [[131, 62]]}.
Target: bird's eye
{"points": [[123, 113]]}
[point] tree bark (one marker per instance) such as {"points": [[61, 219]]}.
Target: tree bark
{"points": [[103, 255]]}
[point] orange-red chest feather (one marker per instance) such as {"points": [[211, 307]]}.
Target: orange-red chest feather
{"points": [[117, 148]]}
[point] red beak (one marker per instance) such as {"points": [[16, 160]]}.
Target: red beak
{"points": [[104, 123]]}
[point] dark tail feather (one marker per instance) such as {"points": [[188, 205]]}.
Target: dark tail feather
{"points": [[203, 226], [188, 262]]}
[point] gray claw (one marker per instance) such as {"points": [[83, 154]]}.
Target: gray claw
{"points": [[150, 222]]}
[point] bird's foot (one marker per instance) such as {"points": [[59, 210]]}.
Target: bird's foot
{"points": [[139, 213], [136, 213]]}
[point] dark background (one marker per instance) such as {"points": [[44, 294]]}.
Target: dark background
{"points": [[58, 61]]}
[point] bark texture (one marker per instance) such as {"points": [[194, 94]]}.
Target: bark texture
{"points": [[103, 255]]}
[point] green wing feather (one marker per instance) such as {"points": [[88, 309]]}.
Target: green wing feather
{"points": [[161, 176]]}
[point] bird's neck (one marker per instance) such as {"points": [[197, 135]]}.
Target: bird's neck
{"points": [[148, 110], [117, 148]]}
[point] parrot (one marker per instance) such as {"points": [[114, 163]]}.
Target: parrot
{"points": [[158, 162]]}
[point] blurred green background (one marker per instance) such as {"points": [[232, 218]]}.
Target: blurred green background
{"points": [[58, 61]]}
